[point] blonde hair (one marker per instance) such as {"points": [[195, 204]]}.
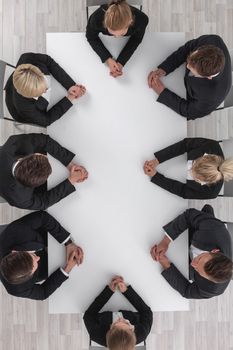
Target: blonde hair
{"points": [[118, 15], [29, 81], [120, 339], [212, 168]]}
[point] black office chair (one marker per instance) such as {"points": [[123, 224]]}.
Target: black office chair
{"points": [[97, 347], [2, 228], [3, 67], [90, 3], [228, 102]]}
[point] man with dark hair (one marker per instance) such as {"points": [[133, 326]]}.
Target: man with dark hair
{"points": [[23, 254], [208, 76], [210, 254], [25, 168]]}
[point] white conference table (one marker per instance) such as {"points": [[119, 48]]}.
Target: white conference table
{"points": [[117, 214]]}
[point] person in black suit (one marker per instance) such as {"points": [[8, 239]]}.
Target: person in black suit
{"points": [[28, 90], [210, 254], [124, 328], [207, 78], [25, 169], [24, 261], [117, 19], [207, 169]]}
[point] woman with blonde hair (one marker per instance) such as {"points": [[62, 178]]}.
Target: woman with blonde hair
{"points": [[207, 168], [28, 90], [118, 330], [119, 19]]}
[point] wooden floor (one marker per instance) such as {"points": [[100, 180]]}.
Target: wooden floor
{"points": [[25, 324]]}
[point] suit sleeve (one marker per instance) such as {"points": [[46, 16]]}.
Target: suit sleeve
{"points": [[190, 219], [30, 114], [91, 315], [146, 317], [57, 151], [133, 41], [178, 57], [92, 35], [189, 190], [48, 287], [46, 222], [173, 186], [41, 143], [189, 109], [181, 147], [53, 67], [41, 200], [187, 289]]}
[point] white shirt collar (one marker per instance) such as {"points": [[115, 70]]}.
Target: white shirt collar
{"points": [[14, 166]]}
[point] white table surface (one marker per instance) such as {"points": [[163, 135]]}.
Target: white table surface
{"points": [[117, 214]]}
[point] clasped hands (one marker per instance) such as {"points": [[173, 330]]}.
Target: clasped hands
{"points": [[150, 167], [116, 69], [74, 256], [77, 173], [118, 282], [154, 80], [157, 252], [76, 91]]}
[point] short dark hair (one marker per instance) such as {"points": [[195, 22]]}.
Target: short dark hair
{"points": [[16, 267], [219, 268], [33, 170], [120, 339], [208, 60]]}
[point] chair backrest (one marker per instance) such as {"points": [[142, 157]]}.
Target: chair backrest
{"points": [[227, 147], [3, 78], [90, 3], [98, 347], [102, 2], [2, 228], [93, 347], [228, 102]]}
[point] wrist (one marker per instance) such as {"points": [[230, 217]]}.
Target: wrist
{"points": [[71, 181], [71, 98], [67, 269], [68, 242], [166, 240], [166, 266]]}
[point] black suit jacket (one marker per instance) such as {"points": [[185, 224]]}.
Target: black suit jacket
{"points": [[203, 95], [29, 233], [30, 110], [98, 323], [13, 191], [136, 32], [206, 233], [195, 148]]}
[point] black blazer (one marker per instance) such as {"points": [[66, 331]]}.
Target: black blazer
{"points": [[29, 110], [24, 197], [206, 233], [98, 323], [29, 233], [136, 32], [203, 95], [195, 148]]}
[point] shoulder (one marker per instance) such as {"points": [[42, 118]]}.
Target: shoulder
{"points": [[97, 18], [140, 18]]}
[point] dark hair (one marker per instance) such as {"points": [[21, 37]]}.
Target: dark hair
{"points": [[207, 60], [33, 170], [120, 339], [16, 267], [219, 268]]}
